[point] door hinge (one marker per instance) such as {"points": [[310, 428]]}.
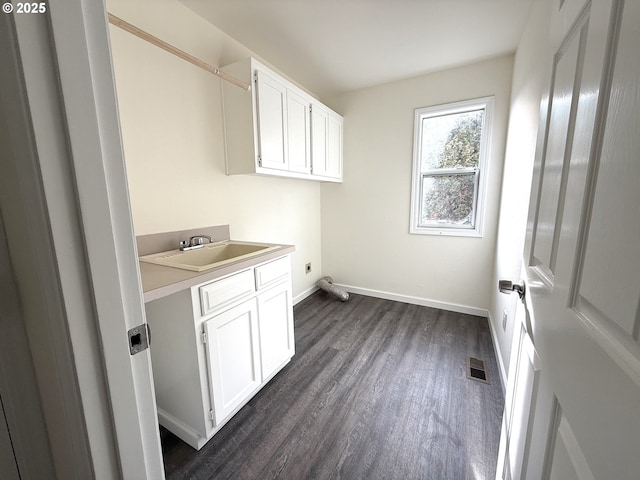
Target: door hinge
{"points": [[255, 76], [259, 160], [139, 338], [211, 415], [203, 337]]}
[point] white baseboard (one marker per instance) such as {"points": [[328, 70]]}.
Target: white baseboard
{"points": [[503, 372], [425, 302], [309, 291], [180, 429]]}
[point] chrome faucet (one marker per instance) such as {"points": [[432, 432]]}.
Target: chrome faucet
{"points": [[197, 241]]}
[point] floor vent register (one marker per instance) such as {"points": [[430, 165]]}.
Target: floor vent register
{"points": [[476, 370]]}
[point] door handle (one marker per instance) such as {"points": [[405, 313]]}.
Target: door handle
{"points": [[507, 286]]}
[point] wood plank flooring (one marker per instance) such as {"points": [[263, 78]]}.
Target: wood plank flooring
{"points": [[377, 390]]}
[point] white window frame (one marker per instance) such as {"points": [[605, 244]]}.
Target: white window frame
{"points": [[481, 173]]}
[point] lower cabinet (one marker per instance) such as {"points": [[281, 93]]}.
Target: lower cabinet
{"points": [[209, 358], [233, 357], [276, 329]]}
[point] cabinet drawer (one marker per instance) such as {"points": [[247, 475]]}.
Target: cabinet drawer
{"points": [[226, 291], [271, 272]]}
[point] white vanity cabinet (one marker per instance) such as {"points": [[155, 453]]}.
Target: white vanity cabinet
{"points": [[272, 130], [216, 344]]}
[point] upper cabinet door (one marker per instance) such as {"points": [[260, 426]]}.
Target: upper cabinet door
{"points": [[334, 147], [298, 133], [326, 142], [319, 135], [272, 122]]}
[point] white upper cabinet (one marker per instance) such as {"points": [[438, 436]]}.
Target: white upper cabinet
{"points": [[326, 142], [272, 130], [272, 122], [298, 129], [319, 136]]}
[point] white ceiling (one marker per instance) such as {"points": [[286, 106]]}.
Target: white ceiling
{"points": [[333, 46]]}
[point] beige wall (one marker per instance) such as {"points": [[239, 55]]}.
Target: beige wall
{"points": [[171, 118], [365, 221], [529, 75]]}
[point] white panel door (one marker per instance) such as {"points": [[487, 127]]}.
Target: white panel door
{"points": [[275, 310], [233, 357], [298, 133], [582, 255], [272, 122]]}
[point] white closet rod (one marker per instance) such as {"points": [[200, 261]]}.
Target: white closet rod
{"points": [[118, 22]]}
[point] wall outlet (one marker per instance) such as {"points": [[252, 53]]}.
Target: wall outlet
{"points": [[307, 268], [505, 316]]}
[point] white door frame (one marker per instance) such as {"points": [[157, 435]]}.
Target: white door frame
{"points": [[72, 245]]}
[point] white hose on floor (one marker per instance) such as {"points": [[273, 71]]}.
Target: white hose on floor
{"points": [[326, 284]]}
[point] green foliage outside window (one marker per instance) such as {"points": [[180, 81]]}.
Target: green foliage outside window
{"points": [[462, 148], [449, 197]]}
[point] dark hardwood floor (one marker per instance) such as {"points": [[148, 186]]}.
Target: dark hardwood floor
{"points": [[377, 390]]}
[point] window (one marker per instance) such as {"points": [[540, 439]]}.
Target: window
{"points": [[450, 162]]}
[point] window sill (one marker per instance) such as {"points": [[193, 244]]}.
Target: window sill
{"points": [[446, 232]]}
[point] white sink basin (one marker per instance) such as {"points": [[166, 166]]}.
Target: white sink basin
{"points": [[209, 256]]}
